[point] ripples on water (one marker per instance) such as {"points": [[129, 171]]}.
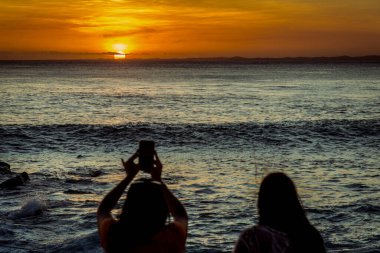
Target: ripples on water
{"points": [[219, 128]]}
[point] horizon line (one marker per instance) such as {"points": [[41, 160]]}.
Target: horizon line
{"points": [[374, 57]]}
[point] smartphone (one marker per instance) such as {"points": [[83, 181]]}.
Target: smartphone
{"points": [[146, 154]]}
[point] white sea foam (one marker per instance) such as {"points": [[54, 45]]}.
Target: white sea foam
{"points": [[31, 207]]}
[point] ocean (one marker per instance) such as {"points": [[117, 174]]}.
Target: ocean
{"points": [[219, 128]]}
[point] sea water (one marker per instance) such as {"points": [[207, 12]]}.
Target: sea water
{"points": [[219, 128]]}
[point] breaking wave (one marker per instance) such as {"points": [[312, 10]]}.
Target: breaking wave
{"points": [[61, 137]]}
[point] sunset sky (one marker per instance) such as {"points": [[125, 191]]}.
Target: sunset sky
{"points": [[88, 29]]}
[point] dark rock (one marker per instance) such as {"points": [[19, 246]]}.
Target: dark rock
{"points": [[71, 191], [96, 173], [5, 168], [18, 180]]}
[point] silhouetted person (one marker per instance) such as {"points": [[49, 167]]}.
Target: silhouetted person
{"points": [[142, 226], [283, 225]]}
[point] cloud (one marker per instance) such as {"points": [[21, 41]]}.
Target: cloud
{"points": [[123, 33], [51, 55]]}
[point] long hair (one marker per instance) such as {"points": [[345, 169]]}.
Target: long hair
{"points": [[279, 205], [144, 213], [280, 208]]}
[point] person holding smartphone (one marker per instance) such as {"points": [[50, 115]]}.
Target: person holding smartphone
{"points": [[143, 224]]}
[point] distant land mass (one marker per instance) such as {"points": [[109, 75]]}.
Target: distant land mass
{"points": [[235, 59], [239, 59]]}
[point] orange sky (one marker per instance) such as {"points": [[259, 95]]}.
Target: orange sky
{"points": [[87, 29]]}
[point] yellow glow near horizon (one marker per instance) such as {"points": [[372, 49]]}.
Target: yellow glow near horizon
{"points": [[119, 56], [120, 48]]}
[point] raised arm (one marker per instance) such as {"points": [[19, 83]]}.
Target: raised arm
{"points": [[111, 199], [176, 209]]}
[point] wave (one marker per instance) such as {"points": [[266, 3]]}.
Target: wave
{"points": [[74, 137], [83, 243]]}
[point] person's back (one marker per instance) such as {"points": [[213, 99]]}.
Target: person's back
{"points": [[170, 239], [283, 226]]}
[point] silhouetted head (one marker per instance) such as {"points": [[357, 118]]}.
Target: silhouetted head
{"points": [[278, 203], [145, 206]]}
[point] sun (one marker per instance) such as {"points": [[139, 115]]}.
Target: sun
{"points": [[119, 56], [120, 48]]}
